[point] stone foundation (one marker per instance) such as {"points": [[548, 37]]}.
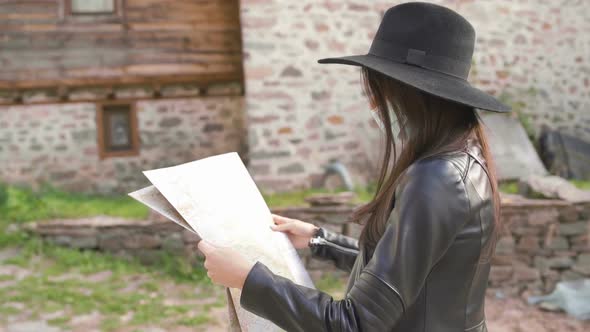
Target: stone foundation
{"points": [[544, 241], [58, 143], [143, 239]]}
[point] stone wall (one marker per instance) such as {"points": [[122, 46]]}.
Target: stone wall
{"points": [[144, 239], [545, 241], [57, 143], [301, 115], [531, 53]]}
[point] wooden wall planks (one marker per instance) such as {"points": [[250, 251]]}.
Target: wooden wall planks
{"points": [[149, 40]]}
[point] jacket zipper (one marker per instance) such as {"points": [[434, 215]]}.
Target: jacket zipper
{"points": [[322, 241]]}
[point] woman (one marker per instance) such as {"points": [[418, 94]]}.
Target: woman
{"points": [[423, 258]]}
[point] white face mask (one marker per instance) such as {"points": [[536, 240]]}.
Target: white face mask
{"points": [[395, 128]]}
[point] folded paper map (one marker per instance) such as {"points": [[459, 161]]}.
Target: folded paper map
{"points": [[216, 199]]}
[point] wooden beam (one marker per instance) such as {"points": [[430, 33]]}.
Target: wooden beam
{"points": [[204, 79]]}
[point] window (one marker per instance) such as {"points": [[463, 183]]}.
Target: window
{"points": [[86, 7], [117, 130], [91, 11]]}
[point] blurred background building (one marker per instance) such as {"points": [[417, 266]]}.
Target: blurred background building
{"points": [[94, 91]]}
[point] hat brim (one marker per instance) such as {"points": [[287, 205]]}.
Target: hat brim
{"points": [[435, 83]]}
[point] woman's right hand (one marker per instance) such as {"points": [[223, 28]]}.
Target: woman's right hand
{"points": [[299, 232]]}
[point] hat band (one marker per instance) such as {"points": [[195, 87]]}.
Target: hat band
{"points": [[441, 64]]}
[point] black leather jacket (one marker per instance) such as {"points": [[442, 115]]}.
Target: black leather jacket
{"points": [[428, 272]]}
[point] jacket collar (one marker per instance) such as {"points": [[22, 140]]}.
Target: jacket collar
{"points": [[474, 149]]}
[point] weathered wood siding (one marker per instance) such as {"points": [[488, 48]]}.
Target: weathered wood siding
{"points": [[147, 41]]}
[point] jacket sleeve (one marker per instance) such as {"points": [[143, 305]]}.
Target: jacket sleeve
{"points": [[431, 208], [339, 248]]}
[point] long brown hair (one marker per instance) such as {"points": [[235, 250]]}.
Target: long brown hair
{"points": [[432, 125]]}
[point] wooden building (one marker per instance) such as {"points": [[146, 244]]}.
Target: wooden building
{"points": [[94, 91]]}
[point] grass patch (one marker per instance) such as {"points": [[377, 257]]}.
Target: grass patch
{"points": [[11, 238], [20, 204], [194, 321], [59, 321], [6, 277], [6, 310], [581, 184], [110, 323], [332, 285], [59, 282], [509, 187], [61, 278], [297, 198], [89, 262]]}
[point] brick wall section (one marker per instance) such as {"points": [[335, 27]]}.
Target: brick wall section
{"points": [[544, 241], [302, 114], [57, 143]]}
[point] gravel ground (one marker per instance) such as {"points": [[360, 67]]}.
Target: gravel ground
{"points": [[514, 315], [35, 300], [503, 314]]}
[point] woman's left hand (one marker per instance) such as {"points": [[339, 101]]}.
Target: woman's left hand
{"points": [[225, 266]]}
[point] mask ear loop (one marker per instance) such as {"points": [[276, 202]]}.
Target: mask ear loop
{"points": [[394, 123], [402, 134], [377, 119]]}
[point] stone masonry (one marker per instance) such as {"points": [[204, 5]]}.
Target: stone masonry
{"points": [[297, 116], [543, 242], [531, 53], [57, 143]]}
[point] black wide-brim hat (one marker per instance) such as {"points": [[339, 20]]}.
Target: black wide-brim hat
{"points": [[429, 47]]}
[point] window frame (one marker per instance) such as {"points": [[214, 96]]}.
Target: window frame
{"points": [[101, 122], [67, 17], [69, 12]]}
